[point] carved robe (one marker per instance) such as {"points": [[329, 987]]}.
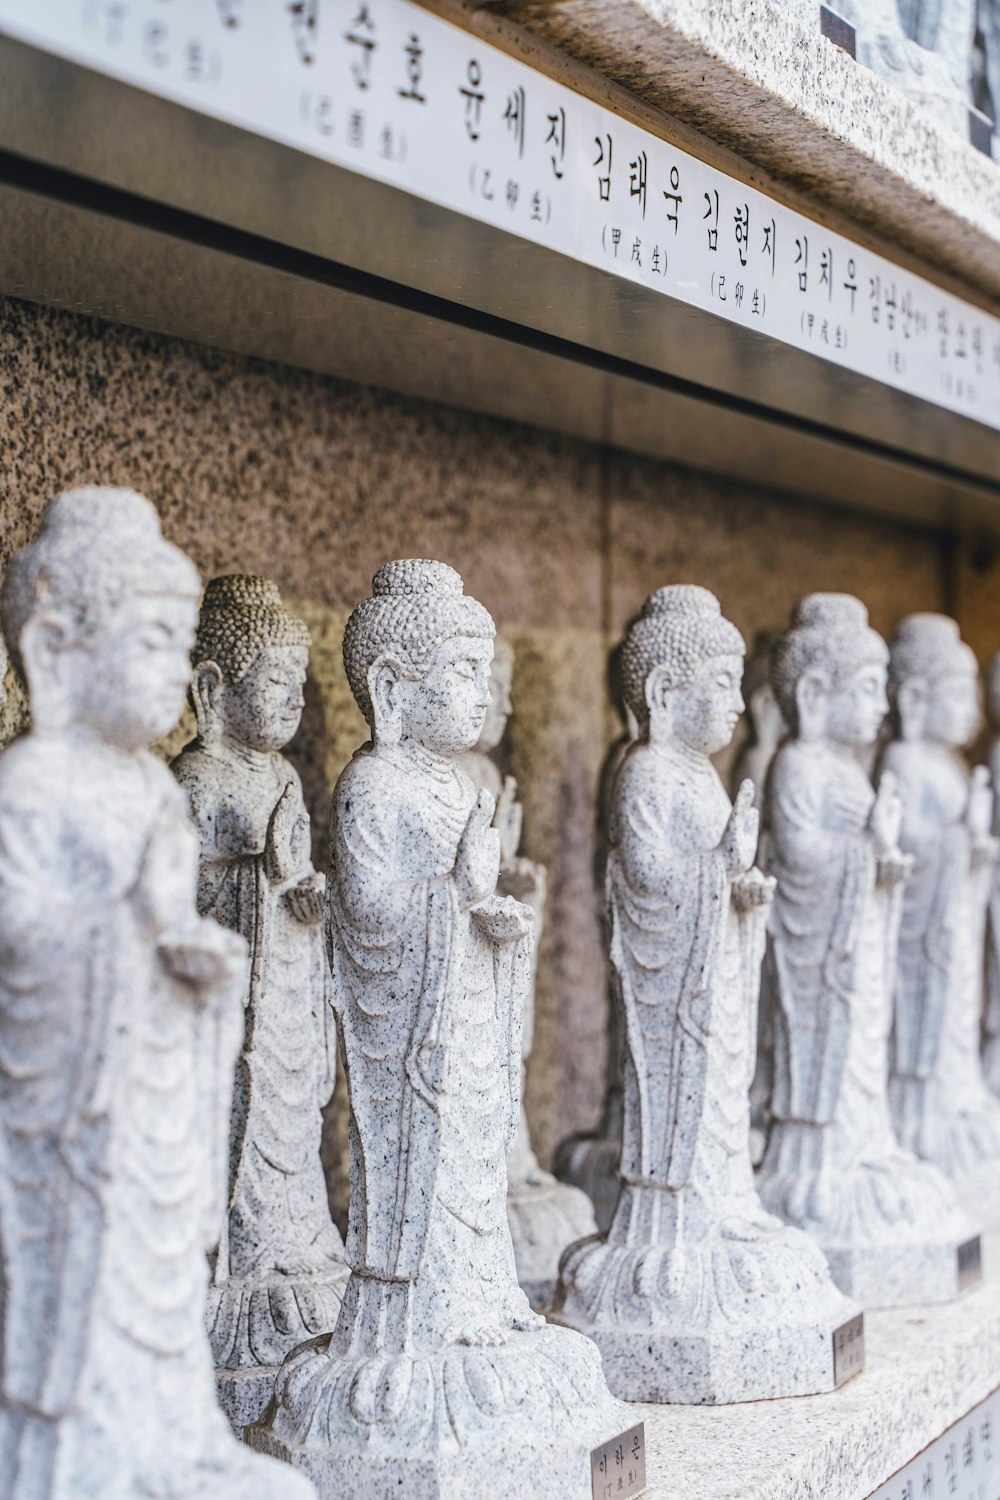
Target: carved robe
{"points": [[276, 1230], [833, 1164], [941, 1105], [688, 976], [429, 1014], [114, 1096]]}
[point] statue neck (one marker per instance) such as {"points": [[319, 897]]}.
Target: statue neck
{"points": [[681, 754], [246, 755], [441, 767]]}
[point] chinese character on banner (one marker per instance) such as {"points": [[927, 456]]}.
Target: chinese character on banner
{"points": [[603, 183], [414, 70], [556, 138], [513, 189], [742, 222], [514, 116], [802, 259], [674, 197], [875, 297], [637, 180], [637, 251], [362, 36], [713, 228], [473, 97], [536, 207]]}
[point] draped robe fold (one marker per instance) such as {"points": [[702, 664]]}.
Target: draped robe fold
{"points": [[428, 1010]]}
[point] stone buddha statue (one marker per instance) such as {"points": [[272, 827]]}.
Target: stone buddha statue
{"points": [[940, 1103], [544, 1215], [890, 1225], [119, 1026], [279, 1272], [695, 1294], [437, 1365], [767, 723]]}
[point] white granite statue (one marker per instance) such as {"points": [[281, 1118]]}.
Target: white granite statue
{"points": [[696, 1294], [991, 1017], [544, 1215], [940, 1103], [923, 47], [767, 723], [119, 1016], [438, 1378], [768, 730], [889, 1224], [591, 1160], [279, 1273]]}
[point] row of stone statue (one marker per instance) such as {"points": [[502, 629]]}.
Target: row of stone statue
{"points": [[943, 54], [170, 1008]]}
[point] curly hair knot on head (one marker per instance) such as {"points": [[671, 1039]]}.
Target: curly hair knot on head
{"points": [[929, 646], [241, 616], [97, 546], [829, 632], [680, 627], [416, 605]]}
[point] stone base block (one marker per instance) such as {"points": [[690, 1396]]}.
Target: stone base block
{"points": [[558, 1468], [716, 1369], [896, 1276], [244, 1394]]}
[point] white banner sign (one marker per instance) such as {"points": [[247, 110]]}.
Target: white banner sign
{"points": [[385, 88]]}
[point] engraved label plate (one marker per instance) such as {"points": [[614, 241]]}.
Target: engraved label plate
{"points": [[964, 1462], [618, 1467], [849, 1349], [970, 1264], [837, 30], [981, 131]]}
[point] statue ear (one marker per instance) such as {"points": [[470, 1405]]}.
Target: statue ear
{"points": [[207, 684], [810, 695], [911, 706], [657, 690], [382, 679]]}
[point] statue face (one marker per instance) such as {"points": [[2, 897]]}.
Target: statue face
{"points": [[445, 711], [128, 684], [704, 715], [952, 715], [264, 709], [855, 711], [499, 708]]}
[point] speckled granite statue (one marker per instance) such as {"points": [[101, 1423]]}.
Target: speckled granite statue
{"points": [[889, 1224], [940, 1103], [438, 1378], [768, 730], [544, 1215], [696, 1294], [991, 1015], [279, 1273], [923, 47], [591, 1160], [119, 1018]]}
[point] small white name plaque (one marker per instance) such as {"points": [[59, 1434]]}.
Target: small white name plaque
{"points": [[387, 89], [618, 1468]]}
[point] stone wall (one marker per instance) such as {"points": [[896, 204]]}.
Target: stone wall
{"points": [[314, 482]]}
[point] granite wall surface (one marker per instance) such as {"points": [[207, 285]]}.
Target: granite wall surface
{"points": [[314, 482]]}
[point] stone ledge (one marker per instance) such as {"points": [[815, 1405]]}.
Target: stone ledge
{"points": [[758, 80], [926, 1368]]}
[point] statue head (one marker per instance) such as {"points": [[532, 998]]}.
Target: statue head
{"points": [[682, 668], [250, 660], [934, 678], [99, 613], [417, 655], [769, 726], [499, 710], [829, 672]]}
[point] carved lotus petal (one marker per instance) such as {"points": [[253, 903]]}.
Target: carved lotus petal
{"points": [[363, 1395], [394, 1388], [485, 1385]]}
